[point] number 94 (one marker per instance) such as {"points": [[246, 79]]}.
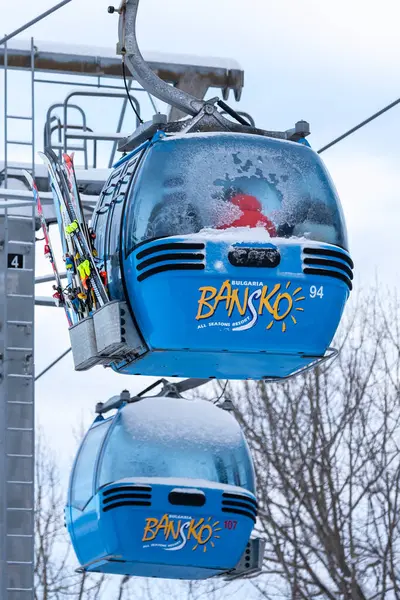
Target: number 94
{"points": [[314, 291]]}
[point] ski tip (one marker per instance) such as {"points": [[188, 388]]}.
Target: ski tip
{"points": [[28, 177]]}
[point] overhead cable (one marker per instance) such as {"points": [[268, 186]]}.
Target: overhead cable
{"points": [[357, 127], [52, 364]]}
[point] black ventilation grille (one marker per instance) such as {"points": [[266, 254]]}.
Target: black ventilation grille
{"points": [[132, 495], [181, 256], [333, 253], [239, 504], [171, 267], [170, 246], [324, 262]]}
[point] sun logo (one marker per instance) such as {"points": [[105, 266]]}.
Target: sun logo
{"points": [[283, 306], [207, 533]]}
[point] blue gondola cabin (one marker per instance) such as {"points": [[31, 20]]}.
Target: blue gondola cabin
{"points": [[165, 488], [231, 250]]}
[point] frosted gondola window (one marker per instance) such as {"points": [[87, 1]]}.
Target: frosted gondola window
{"points": [[145, 443], [198, 181]]}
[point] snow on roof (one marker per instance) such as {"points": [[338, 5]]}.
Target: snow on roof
{"points": [[177, 419], [186, 481], [160, 57]]}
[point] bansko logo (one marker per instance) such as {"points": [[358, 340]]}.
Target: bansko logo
{"points": [[173, 532], [278, 302]]}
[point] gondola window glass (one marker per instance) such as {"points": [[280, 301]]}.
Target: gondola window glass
{"points": [[118, 204], [102, 212], [82, 483], [198, 182], [140, 451]]}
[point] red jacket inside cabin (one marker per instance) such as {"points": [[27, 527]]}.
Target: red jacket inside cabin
{"points": [[251, 214]]}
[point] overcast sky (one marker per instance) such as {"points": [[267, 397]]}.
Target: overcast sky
{"points": [[332, 63]]}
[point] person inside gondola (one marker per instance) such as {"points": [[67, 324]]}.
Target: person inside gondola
{"points": [[308, 218], [250, 212], [173, 215]]}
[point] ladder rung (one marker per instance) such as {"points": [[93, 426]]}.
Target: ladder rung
{"points": [[18, 402], [20, 296], [18, 143], [19, 535], [20, 323], [21, 482], [19, 590], [60, 146], [19, 376], [19, 509], [19, 117], [19, 562], [20, 349], [19, 455], [19, 428], [21, 243]]}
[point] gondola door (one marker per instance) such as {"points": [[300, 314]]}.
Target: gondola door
{"points": [[112, 253]]}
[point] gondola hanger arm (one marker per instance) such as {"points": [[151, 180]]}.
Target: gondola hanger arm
{"points": [[128, 47]]}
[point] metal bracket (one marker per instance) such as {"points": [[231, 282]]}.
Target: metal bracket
{"points": [[128, 47], [250, 564], [169, 389], [144, 132], [331, 353], [114, 402]]}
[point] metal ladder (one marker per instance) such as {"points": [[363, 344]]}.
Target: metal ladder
{"points": [[17, 261], [10, 116]]}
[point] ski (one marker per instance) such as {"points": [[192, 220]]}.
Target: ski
{"points": [[69, 164], [60, 297], [86, 267], [76, 298]]}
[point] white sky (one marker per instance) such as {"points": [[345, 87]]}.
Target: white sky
{"points": [[332, 63]]}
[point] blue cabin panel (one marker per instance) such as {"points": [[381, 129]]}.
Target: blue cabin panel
{"points": [[226, 307]]}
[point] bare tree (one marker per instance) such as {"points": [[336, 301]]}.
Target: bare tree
{"points": [[326, 447]]}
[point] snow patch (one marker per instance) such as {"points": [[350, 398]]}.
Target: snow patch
{"points": [[185, 481], [197, 422], [188, 491]]}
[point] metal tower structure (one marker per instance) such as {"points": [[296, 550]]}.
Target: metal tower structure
{"points": [[17, 264], [17, 239]]}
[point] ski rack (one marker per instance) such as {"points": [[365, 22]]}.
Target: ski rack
{"points": [[108, 336]]}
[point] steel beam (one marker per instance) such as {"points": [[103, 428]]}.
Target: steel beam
{"points": [[48, 278], [209, 73]]}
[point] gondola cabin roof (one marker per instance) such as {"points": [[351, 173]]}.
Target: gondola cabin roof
{"points": [[194, 421]]}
